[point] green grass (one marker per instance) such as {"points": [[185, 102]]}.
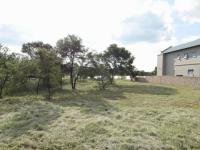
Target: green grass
{"points": [[127, 116]]}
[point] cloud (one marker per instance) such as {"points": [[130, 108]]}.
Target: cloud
{"points": [[184, 30], [170, 1], [97, 22], [11, 35], [189, 10], [148, 27], [142, 25]]}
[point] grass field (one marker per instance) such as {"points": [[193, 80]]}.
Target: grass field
{"points": [[127, 116]]}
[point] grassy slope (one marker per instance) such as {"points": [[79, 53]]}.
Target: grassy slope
{"points": [[127, 116]]}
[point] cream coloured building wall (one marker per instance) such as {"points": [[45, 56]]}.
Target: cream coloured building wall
{"points": [[176, 64], [160, 65]]}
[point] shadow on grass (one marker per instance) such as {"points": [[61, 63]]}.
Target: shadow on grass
{"points": [[117, 92], [146, 89], [90, 102], [30, 113], [28, 116], [93, 101]]}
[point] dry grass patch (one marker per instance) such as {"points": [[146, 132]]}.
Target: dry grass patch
{"points": [[126, 116]]}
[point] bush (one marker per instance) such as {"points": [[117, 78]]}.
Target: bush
{"points": [[104, 80]]}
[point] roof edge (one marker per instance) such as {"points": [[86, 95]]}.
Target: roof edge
{"points": [[166, 49], [183, 46]]}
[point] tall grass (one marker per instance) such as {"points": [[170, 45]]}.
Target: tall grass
{"points": [[127, 116]]}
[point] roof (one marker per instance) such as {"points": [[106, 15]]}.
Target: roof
{"points": [[182, 46]]}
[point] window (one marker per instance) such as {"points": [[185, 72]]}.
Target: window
{"points": [[190, 55], [185, 56], [191, 72], [193, 55], [179, 57], [179, 75]]}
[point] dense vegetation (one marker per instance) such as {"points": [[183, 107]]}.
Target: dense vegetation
{"points": [[126, 116], [43, 67]]}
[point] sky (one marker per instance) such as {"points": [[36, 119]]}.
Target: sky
{"points": [[144, 27]]}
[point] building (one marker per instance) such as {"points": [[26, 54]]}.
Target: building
{"points": [[181, 60]]}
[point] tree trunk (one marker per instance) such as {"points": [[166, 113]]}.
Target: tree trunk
{"points": [[1, 91], [112, 78], [74, 84], [61, 83], [49, 89], [71, 77], [38, 84], [71, 73], [131, 78], [103, 84], [2, 86], [49, 93], [71, 80]]}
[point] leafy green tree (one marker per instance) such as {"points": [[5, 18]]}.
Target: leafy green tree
{"points": [[7, 67], [104, 78], [32, 49], [154, 72], [71, 50], [130, 68], [28, 71], [103, 75], [119, 60], [145, 73], [49, 65]]}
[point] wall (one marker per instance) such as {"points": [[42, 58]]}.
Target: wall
{"points": [[183, 70], [160, 65], [169, 63], [170, 80], [173, 66]]}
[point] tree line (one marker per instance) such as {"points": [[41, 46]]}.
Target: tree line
{"points": [[43, 67]]}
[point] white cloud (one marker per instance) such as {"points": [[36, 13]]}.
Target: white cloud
{"points": [[97, 22], [189, 10], [9, 34], [187, 39], [12, 35], [147, 27]]}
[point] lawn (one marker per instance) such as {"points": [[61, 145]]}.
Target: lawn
{"points": [[127, 116]]}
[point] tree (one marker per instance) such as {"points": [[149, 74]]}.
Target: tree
{"points": [[154, 72], [98, 63], [28, 70], [49, 65], [6, 67], [130, 69], [32, 49], [119, 60], [71, 49]]}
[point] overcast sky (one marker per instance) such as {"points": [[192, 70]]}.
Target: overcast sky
{"points": [[145, 27]]}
